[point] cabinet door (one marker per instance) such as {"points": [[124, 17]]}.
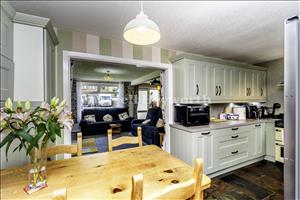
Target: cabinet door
{"points": [[190, 79], [218, 89], [205, 151], [259, 140], [270, 141], [235, 84], [249, 84], [261, 85], [202, 80], [242, 84]]}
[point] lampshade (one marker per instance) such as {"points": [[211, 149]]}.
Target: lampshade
{"points": [[141, 30]]}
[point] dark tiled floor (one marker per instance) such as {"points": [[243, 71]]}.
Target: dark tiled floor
{"points": [[262, 180]]}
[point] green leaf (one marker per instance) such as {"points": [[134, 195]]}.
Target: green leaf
{"points": [[53, 129], [23, 134], [35, 141], [7, 139], [7, 148]]}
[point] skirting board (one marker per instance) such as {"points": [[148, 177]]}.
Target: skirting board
{"points": [[224, 171], [270, 158]]}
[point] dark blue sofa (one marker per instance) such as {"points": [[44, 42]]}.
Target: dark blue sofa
{"points": [[100, 126], [150, 132]]}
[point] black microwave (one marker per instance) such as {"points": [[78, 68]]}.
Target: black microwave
{"points": [[192, 114]]}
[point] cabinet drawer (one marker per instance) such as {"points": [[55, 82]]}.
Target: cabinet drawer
{"points": [[232, 155], [232, 139], [232, 136]]}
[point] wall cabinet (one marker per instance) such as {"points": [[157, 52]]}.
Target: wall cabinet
{"points": [[205, 82], [38, 60], [224, 148], [6, 46]]}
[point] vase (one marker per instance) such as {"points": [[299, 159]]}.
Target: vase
{"points": [[37, 167]]}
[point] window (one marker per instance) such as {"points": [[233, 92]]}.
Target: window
{"points": [[98, 94]]}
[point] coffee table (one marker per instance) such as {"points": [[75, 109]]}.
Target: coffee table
{"points": [[116, 128]]}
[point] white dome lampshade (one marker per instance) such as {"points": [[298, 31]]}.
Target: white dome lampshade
{"points": [[141, 31]]}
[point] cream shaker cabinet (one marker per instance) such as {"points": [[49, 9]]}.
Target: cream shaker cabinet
{"points": [[34, 54], [198, 81], [224, 149]]}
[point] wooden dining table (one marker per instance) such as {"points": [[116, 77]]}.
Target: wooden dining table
{"points": [[103, 175]]}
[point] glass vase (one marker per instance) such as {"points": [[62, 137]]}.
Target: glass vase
{"points": [[37, 167]]}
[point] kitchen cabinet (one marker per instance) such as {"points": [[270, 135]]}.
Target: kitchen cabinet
{"points": [[205, 150], [270, 142], [258, 140], [6, 45], [38, 60], [224, 148], [209, 80], [192, 81]]}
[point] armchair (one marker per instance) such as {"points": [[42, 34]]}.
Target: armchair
{"points": [[150, 133]]}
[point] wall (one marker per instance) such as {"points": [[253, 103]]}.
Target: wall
{"points": [[95, 44], [275, 75]]}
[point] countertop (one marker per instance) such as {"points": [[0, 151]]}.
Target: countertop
{"points": [[221, 125]]}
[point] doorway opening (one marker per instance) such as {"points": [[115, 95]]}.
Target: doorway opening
{"points": [[146, 85]]}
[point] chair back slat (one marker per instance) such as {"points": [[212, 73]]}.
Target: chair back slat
{"points": [[71, 149], [137, 187], [185, 190], [60, 194], [124, 140]]}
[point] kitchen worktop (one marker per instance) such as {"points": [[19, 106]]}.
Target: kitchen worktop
{"points": [[221, 125]]}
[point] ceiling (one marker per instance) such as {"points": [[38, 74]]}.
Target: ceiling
{"points": [[95, 71], [243, 31]]}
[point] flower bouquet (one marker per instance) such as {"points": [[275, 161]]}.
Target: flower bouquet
{"points": [[33, 129]]}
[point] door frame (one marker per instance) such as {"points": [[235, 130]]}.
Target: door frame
{"points": [[167, 85]]}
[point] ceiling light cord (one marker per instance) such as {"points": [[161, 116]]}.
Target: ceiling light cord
{"points": [[142, 7]]}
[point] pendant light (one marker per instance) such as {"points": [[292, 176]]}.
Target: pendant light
{"points": [[141, 30], [107, 76]]}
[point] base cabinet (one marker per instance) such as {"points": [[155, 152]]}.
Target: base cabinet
{"points": [[205, 150], [222, 149]]}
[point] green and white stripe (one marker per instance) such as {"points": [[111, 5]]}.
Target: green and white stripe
{"points": [[95, 44]]}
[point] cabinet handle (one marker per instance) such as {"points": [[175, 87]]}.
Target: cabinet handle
{"points": [[234, 152], [277, 130], [261, 92], [235, 136], [220, 90], [247, 92], [258, 125], [207, 133], [217, 91], [234, 129], [197, 87], [250, 91]]}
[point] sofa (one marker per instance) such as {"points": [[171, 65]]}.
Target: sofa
{"points": [[101, 126], [150, 133]]}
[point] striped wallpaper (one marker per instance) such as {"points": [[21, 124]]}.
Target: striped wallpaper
{"points": [[95, 44], [88, 43]]}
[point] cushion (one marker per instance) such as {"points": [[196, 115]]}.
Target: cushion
{"points": [[107, 118], [90, 118], [160, 123], [123, 116], [147, 121]]}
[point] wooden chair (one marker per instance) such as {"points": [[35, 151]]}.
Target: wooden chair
{"points": [[60, 149], [124, 140], [60, 194], [185, 190]]}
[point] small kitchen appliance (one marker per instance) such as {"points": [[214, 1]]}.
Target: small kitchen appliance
{"points": [[251, 112], [241, 111], [192, 114]]}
